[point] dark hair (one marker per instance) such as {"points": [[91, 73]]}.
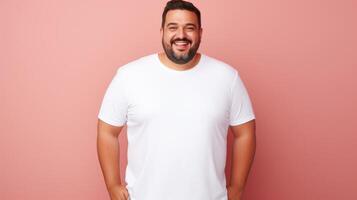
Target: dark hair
{"points": [[182, 5]]}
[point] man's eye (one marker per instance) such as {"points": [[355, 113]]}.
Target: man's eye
{"points": [[172, 28]]}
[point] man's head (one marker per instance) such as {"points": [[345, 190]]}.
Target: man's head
{"points": [[181, 31]]}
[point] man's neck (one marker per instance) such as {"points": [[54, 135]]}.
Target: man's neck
{"points": [[166, 61]]}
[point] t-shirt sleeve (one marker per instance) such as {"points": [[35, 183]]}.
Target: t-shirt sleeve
{"points": [[113, 109], [241, 110]]}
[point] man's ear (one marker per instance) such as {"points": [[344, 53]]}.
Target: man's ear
{"points": [[201, 30], [161, 31]]}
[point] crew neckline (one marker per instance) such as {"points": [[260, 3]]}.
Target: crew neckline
{"points": [[191, 70]]}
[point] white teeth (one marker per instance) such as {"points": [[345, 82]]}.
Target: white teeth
{"points": [[181, 43]]}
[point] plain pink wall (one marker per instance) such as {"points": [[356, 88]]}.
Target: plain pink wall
{"points": [[297, 58]]}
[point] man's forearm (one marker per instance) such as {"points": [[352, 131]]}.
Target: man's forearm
{"points": [[108, 154], [243, 155]]}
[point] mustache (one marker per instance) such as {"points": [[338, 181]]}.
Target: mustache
{"points": [[181, 40]]}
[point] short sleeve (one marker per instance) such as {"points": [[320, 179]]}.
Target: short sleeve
{"points": [[241, 110], [113, 109]]}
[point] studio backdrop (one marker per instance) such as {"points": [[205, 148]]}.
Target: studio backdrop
{"points": [[297, 59]]}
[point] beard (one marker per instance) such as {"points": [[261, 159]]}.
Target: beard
{"points": [[180, 59]]}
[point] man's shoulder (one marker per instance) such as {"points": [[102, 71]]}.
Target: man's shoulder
{"points": [[137, 64], [219, 66]]}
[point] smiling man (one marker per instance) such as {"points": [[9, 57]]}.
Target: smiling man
{"points": [[177, 106]]}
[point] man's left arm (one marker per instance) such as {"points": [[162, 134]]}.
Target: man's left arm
{"points": [[244, 145]]}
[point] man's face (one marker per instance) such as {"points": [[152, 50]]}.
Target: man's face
{"points": [[181, 35]]}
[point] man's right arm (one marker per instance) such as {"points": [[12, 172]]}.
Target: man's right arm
{"points": [[108, 154]]}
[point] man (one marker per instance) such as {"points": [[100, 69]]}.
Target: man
{"points": [[178, 106]]}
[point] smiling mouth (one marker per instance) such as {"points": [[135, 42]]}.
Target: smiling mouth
{"points": [[181, 45]]}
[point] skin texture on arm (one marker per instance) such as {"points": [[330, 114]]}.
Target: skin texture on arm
{"points": [[108, 155], [244, 146]]}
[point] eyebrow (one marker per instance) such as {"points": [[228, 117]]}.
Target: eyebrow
{"points": [[188, 24]]}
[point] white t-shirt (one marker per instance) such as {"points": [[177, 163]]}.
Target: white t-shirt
{"points": [[177, 123]]}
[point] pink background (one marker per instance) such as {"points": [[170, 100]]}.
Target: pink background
{"points": [[297, 58]]}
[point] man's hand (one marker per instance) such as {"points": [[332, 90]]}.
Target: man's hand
{"points": [[234, 194], [118, 192]]}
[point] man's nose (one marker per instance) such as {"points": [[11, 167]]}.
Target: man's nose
{"points": [[181, 33]]}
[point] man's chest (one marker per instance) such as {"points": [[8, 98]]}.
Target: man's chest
{"points": [[192, 101]]}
